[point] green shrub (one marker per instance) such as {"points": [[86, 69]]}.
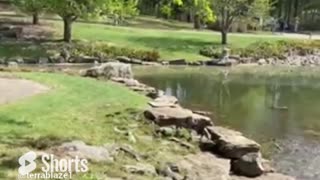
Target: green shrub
{"points": [[212, 52], [105, 50], [276, 49]]}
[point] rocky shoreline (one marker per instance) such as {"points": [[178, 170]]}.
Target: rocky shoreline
{"points": [[289, 59], [226, 154]]}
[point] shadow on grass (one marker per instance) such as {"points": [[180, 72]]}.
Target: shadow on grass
{"points": [[12, 122], [22, 49], [15, 140], [173, 44], [156, 23]]}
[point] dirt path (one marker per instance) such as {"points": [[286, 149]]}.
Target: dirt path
{"points": [[15, 89]]}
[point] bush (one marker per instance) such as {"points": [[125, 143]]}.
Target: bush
{"points": [[104, 50], [212, 52], [277, 49]]}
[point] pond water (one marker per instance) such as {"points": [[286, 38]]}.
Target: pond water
{"points": [[281, 113]]}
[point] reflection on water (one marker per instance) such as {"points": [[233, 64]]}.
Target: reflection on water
{"points": [[284, 111]]}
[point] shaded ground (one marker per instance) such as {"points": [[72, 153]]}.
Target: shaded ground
{"points": [[15, 89]]}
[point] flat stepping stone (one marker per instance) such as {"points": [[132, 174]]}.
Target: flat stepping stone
{"points": [[232, 144], [179, 117], [15, 89], [164, 101], [205, 166], [168, 116]]}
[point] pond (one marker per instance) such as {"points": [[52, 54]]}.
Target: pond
{"points": [[281, 113]]}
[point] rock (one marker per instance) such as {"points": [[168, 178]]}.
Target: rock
{"points": [[2, 60], [181, 143], [127, 82], [128, 60], [246, 60], [200, 122], [83, 59], [123, 59], [81, 150], [65, 54], [16, 59], [262, 62], [155, 94], [141, 169], [167, 116], [11, 32], [268, 176], [144, 89], [249, 165], [235, 57], [223, 62], [165, 63], [232, 144], [130, 151], [170, 170], [267, 166], [132, 82], [43, 60], [164, 101], [179, 117], [204, 113], [110, 70], [146, 63], [12, 64], [204, 166], [195, 63], [136, 61], [178, 62], [166, 131]]}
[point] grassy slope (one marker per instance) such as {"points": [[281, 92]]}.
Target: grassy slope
{"points": [[75, 108], [173, 39], [172, 44]]}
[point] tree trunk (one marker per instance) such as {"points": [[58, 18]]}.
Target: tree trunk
{"points": [[197, 23], [67, 33], [280, 8], [224, 37], [35, 18], [296, 9]]}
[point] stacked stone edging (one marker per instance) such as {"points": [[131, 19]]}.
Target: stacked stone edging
{"points": [[243, 154]]}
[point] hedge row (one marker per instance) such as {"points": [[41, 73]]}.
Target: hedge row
{"points": [[277, 49]]}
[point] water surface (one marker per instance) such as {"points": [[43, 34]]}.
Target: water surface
{"points": [[281, 113]]}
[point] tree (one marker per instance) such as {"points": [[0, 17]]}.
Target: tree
{"points": [[71, 10], [33, 7], [120, 9], [230, 10], [202, 11]]}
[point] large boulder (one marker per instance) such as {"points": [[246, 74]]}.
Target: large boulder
{"points": [[110, 70], [169, 116], [179, 117], [204, 166], [232, 144], [128, 60], [12, 64], [249, 165]]}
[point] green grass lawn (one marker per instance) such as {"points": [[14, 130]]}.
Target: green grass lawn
{"points": [[174, 40], [75, 109], [172, 44]]}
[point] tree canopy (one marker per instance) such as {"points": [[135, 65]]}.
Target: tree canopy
{"points": [[32, 7]]}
